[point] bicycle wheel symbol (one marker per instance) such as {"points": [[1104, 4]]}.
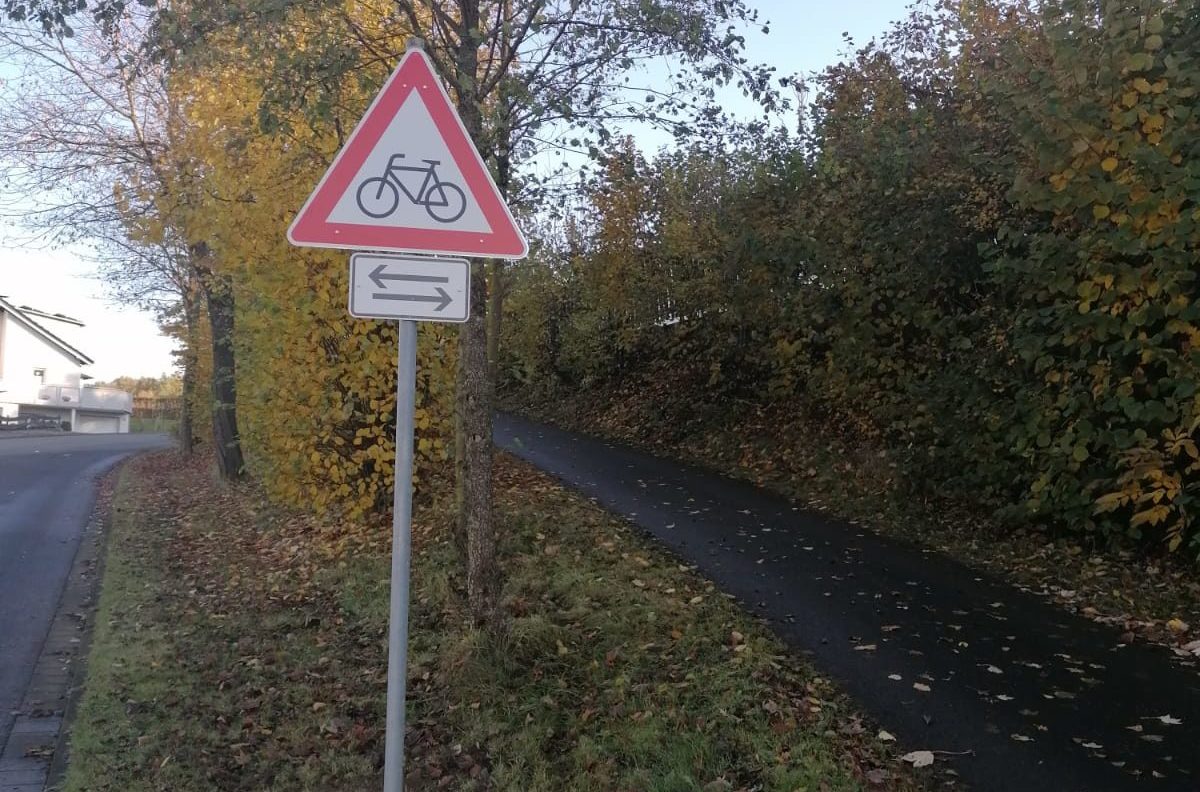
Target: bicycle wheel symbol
{"points": [[377, 197], [445, 202]]}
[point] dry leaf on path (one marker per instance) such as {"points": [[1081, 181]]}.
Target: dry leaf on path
{"points": [[918, 758]]}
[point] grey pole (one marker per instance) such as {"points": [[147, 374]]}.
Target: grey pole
{"points": [[397, 675]]}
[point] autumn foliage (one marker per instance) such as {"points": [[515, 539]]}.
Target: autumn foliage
{"points": [[978, 256], [316, 388]]}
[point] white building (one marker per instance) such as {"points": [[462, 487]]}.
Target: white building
{"points": [[42, 375]]}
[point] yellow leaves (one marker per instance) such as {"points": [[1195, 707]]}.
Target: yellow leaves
{"points": [[1175, 536], [1141, 85], [316, 387], [1151, 486], [1153, 122], [1100, 211], [1112, 501], [1152, 516], [1109, 164], [1179, 443]]}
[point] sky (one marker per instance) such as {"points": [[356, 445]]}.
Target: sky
{"points": [[805, 36], [122, 340]]}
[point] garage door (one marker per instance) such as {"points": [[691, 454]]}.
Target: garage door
{"points": [[97, 424]]}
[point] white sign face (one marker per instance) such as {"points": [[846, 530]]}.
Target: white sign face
{"points": [[409, 287]]}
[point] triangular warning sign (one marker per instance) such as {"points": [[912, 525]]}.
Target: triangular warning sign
{"points": [[409, 179]]}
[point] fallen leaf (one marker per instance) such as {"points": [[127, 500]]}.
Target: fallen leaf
{"points": [[865, 648], [921, 686], [1177, 626], [918, 758], [877, 776], [884, 736]]}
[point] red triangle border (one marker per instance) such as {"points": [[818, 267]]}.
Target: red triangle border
{"points": [[414, 73]]}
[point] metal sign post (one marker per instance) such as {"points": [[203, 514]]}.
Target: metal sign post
{"points": [[397, 674], [427, 289], [408, 180]]}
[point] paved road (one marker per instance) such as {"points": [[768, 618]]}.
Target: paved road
{"points": [[47, 487], [943, 657]]}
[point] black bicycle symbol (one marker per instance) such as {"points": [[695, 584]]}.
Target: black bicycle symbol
{"points": [[379, 196]]}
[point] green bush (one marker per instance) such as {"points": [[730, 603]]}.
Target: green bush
{"points": [[979, 255]]}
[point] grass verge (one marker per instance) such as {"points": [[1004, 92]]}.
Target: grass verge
{"points": [[804, 459], [241, 648], [139, 425]]}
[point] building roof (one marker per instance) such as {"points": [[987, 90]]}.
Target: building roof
{"points": [[29, 310], [23, 315]]}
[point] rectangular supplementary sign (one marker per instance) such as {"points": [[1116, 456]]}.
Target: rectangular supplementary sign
{"points": [[409, 287]]}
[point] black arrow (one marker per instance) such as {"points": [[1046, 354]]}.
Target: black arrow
{"points": [[380, 274], [443, 301]]}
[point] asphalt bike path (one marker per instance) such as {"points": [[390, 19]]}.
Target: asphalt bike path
{"points": [[1013, 693]]}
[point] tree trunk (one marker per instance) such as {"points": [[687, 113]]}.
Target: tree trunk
{"points": [[476, 390], [496, 266], [476, 395], [495, 305], [218, 292], [459, 526], [186, 425]]}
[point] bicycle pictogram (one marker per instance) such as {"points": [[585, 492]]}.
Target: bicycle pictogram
{"points": [[379, 196]]}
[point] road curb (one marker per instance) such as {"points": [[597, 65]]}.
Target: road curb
{"points": [[35, 757]]}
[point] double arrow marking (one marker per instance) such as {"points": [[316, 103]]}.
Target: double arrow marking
{"points": [[379, 276]]}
